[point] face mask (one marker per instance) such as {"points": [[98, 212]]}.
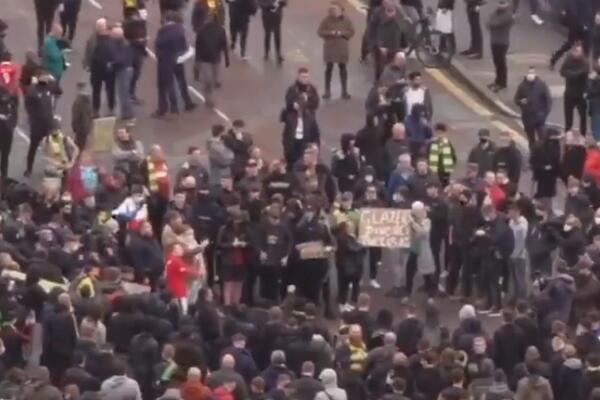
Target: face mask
{"points": [[143, 14], [530, 77], [597, 220], [397, 198], [567, 228], [369, 178]]}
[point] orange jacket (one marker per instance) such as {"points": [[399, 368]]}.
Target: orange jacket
{"points": [[592, 163]]}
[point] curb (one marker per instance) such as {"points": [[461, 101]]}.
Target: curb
{"points": [[460, 72]]}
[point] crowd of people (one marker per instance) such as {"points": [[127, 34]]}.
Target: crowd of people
{"points": [[217, 280]]}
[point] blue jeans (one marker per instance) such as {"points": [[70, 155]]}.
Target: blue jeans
{"points": [[596, 127], [123, 83]]}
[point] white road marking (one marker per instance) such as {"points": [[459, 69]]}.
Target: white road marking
{"points": [[95, 4], [22, 134], [195, 92]]}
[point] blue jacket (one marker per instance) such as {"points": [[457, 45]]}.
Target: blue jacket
{"points": [[169, 44], [396, 180], [417, 129]]}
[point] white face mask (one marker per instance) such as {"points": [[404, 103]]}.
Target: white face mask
{"points": [[369, 178], [530, 77], [567, 228], [143, 14], [597, 220]]}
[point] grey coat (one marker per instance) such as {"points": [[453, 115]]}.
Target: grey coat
{"points": [[500, 24], [220, 158]]}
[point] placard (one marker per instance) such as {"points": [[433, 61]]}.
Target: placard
{"points": [[311, 250], [384, 227], [104, 133]]}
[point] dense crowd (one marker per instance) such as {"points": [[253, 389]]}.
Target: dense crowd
{"points": [[219, 278]]}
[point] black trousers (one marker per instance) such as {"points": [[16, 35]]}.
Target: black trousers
{"points": [[343, 76], [475, 28], [491, 271], [157, 207], [44, 14], [138, 63], [240, 28], [344, 282], [310, 276], [7, 132], [36, 136], [167, 97], [571, 103], [270, 282], [534, 132], [437, 241], [456, 255], [68, 19], [499, 57], [374, 260], [182, 84], [272, 26], [99, 78]]}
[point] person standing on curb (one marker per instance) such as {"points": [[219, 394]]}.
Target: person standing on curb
{"points": [[535, 101], [475, 50], [336, 30], [575, 70], [499, 25]]}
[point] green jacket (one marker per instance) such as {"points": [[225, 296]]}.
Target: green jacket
{"points": [[53, 59]]}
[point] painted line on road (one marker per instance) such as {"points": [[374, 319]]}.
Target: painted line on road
{"points": [[469, 101], [95, 4], [22, 134], [195, 92]]}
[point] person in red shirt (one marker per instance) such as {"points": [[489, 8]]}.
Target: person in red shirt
{"points": [[493, 190], [178, 271], [592, 162]]}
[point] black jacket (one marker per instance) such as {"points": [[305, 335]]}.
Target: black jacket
{"points": [[211, 41], [538, 101], [575, 71], [511, 159], [39, 104], [240, 11], [509, 346], [170, 43]]}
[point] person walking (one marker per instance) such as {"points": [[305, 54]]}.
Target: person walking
{"points": [[179, 72], [82, 116], [211, 42], [475, 50], [575, 70], [44, 15], [336, 30], [578, 32], [99, 60], [123, 70], [39, 105], [69, 15], [535, 101], [240, 12], [534, 7], [135, 31], [500, 24], [272, 16], [53, 58]]}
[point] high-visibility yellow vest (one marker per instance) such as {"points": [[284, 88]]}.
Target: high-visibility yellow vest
{"points": [[443, 149], [156, 173]]}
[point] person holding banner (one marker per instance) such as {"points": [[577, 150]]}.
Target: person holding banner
{"points": [[313, 245], [420, 258]]}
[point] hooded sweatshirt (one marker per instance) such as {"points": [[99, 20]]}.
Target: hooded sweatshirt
{"points": [[332, 392], [120, 387]]}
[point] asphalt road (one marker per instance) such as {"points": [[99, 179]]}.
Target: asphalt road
{"points": [[253, 90]]}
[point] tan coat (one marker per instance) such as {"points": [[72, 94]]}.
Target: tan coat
{"points": [[336, 33]]}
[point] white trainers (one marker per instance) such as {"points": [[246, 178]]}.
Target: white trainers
{"points": [[374, 284], [536, 19]]}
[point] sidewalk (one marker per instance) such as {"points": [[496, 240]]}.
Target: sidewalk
{"points": [[531, 45]]}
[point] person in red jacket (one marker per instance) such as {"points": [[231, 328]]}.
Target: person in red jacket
{"points": [[178, 271], [225, 391], [592, 162]]}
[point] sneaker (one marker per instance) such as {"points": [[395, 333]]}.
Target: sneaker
{"points": [[244, 58], [342, 308], [536, 19], [190, 107], [346, 96], [157, 115], [326, 96], [349, 307], [374, 284], [444, 274], [475, 56]]}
